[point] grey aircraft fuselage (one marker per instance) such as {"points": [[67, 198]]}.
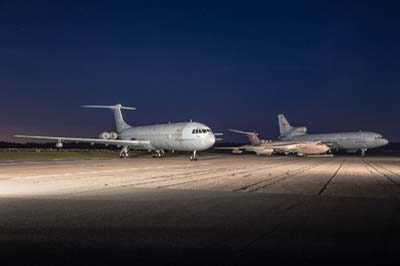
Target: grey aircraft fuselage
{"points": [[345, 140], [190, 136], [349, 141]]}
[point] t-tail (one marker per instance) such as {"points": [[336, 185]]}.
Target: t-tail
{"points": [[287, 131], [253, 136], [120, 124]]}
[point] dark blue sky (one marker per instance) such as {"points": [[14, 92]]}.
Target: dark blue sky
{"points": [[329, 65]]}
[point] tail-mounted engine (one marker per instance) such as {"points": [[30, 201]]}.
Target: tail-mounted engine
{"points": [[301, 130]]}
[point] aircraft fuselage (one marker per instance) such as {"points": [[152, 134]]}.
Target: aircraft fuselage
{"points": [[344, 140], [190, 136]]}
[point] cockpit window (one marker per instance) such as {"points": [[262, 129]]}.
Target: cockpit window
{"points": [[201, 130]]}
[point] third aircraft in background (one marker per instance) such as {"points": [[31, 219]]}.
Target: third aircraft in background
{"points": [[268, 147], [349, 141]]}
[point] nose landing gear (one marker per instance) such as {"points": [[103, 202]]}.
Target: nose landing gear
{"points": [[194, 156], [363, 152]]}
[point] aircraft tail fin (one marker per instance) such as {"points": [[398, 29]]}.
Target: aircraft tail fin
{"points": [[287, 131], [253, 136], [284, 127], [120, 124]]}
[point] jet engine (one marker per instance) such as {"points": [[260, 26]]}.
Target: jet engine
{"points": [[105, 135], [59, 145], [302, 130], [113, 135], [237, 151]]}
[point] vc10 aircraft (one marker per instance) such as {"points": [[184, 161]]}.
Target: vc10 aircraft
{"points": [[184, 136]]}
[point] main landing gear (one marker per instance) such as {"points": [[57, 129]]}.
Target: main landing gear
{"points": [[124, 153], [194, 156], [158, 154], [363, 152]]}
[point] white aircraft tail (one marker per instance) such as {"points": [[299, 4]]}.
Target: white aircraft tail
{"points": [[120, 124]]}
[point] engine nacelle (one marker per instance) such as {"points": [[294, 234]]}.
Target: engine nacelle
{"points": [[302, 130], [59, 145], [237, 151], [113, 135], [105, 135]]}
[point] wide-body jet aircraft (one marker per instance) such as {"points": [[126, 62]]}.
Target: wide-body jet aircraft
{"points": [[268, 147], [184, 136], [349, 141]]}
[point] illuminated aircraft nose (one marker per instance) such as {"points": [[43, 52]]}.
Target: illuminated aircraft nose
{"points": [[211, 140], [384, 142], [208, 141]]}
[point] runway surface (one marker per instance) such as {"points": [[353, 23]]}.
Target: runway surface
{"points": [[222, 209]]}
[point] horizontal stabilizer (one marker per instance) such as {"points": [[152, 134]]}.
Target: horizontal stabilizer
{"points": [[112, 107], [120, 123], [253, 136], [243, 132]]}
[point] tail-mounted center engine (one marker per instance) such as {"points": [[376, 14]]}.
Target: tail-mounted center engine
{"points": [[302, 130], [108, 135]]}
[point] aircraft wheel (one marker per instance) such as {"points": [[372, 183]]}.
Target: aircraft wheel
{"points": [[193, 157]]}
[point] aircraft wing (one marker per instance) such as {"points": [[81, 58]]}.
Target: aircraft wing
{"points": [[117, 142], [330, 144], [237, 150], [229, 148]]}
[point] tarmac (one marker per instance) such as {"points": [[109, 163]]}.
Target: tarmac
{"points": [[221, 210]]}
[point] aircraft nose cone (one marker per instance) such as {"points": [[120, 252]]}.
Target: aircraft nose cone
{"points": [[325, 149], [212, 140], [384, 142], [208, 141]]}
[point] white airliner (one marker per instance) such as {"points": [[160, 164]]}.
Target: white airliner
{"points": [[184, 136]]}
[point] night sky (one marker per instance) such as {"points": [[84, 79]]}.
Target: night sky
{"points": [[328, 65]]}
